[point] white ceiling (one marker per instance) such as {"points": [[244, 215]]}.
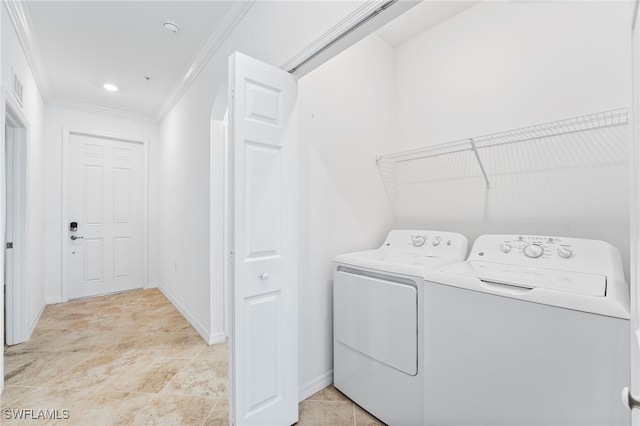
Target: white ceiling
{"points": [[87, 44], [421, 18]]}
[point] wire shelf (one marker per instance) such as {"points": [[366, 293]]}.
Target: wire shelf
{"points": [[612, 118], [600, 120]]}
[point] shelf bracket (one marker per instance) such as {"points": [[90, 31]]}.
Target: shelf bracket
{"points": [[475, 151]]}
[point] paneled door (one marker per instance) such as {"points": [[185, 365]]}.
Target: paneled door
{"points": [[264, 272], [105, 215]]}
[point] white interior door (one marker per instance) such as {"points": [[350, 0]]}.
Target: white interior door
{"points": [[105, 200], [264, 186]]}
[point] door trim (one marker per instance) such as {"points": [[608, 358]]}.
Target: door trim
{"points": [[66, 133], [219, 218], [634, 212], [17, 329]]}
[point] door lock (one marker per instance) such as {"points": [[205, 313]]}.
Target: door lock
{"points": [[73, 226]]}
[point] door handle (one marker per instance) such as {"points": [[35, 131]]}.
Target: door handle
{"points": [[629, 400], [73, 238]]}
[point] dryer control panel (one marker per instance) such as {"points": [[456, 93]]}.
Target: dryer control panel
{"points": [[562, 253], [427, 243]]}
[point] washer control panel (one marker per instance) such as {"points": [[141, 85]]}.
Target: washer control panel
{"points": [[418, 240], [536, 247], [563, 253], [427, 243]]}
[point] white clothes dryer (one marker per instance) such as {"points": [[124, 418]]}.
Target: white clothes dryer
{"points": [[378, 298], [530, 330]]}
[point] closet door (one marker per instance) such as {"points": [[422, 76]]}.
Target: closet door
{"points": [[264, 273]]}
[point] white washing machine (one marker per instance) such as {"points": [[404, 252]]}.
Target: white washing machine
{"points": [[530, 330], [378, 299]]}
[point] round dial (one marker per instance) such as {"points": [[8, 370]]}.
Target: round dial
{"points": [[436, 241], [505, 247], [565, 252], [418, 241], [533, 251]]}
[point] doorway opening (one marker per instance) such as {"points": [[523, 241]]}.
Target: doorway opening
{"points": [[219, 229], [15, 151]]}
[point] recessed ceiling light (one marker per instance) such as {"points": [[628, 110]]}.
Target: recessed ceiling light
{"points": [[171, 27], [111, 87]]}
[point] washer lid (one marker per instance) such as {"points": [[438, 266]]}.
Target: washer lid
{"points": [[530, 278]]}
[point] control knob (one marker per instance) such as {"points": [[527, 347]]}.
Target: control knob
{"points": [[418, 241], [565, 252], [533, 251], [505, 247], [436, 241]]}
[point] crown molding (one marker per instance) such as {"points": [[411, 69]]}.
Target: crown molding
{"points": [[234, 13], [21, 21], [95, 109]]}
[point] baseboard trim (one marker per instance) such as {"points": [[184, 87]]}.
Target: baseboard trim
{"points": [[194, 323], [53, 300], [34, 323], [152, 284], [218, 337], [315, 385]]}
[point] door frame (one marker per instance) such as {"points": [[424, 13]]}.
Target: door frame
{"points": [[634, 187], [17, 327], [66, 133], [219, 219]]}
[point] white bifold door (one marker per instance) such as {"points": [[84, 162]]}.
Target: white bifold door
{"points": [[105, 215], [264, 271]]}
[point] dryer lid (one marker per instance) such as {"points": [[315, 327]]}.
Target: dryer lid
{"points": [[395, 261], [531, 278]]}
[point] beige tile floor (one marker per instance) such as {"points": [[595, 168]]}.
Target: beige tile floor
{"points": [[131, 358]]}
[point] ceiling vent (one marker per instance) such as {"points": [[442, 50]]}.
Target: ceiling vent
{"points": [[17, 87]]}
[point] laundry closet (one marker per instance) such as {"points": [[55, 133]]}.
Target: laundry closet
{"points": [[504, 118]]}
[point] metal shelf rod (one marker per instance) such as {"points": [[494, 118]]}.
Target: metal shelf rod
{"points": [[475, 151]]}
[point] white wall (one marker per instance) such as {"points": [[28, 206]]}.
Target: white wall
{"points": [[184, 211], [273, 32], [33, 110], [57, 117], [346, 119], [503, 65]]}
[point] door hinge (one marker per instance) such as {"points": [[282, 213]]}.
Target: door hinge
{"points": [[9, 245]]}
